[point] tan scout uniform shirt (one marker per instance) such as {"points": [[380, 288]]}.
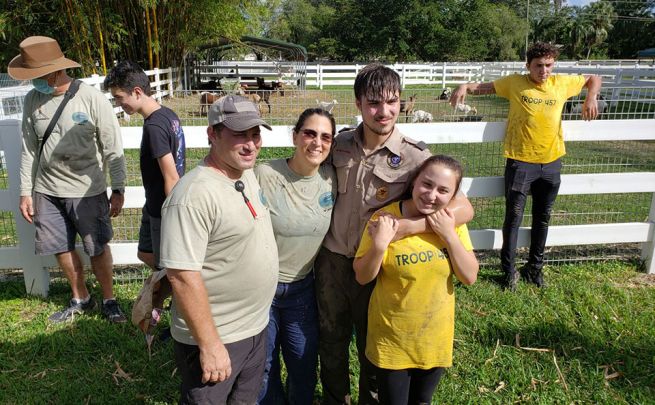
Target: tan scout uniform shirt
{"points": [[367, 183]]}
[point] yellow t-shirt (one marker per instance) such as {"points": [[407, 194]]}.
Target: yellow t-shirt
{"points": [[534, 125], [411, 315]]}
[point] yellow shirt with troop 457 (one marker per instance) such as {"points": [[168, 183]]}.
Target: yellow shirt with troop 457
{"points": [[534, 124], [411, 315]]}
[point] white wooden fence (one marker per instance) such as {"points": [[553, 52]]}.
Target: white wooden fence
{"points": [[37, 277], [435, 74], [161, 83]]}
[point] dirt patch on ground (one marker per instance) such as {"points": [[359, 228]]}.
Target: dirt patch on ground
{"points": [[639, 281]]}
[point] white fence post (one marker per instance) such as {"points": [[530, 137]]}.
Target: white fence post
{"points": [[157, 85], [96, 81], [648, 248], [443, 75], [170, 83], [319, 75], [36, 276]]}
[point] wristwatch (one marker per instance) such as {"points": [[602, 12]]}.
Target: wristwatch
{"points": [[120, 191]]}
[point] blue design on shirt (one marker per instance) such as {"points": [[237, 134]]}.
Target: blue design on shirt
{"points": [[80, 117], [180, 152], [262, 198], [326, 200]]}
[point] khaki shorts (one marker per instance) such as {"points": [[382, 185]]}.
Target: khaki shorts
{"points": [[59, 220]]}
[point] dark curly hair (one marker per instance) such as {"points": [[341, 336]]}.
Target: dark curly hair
{"points": [[541, 49], [127, 75]]}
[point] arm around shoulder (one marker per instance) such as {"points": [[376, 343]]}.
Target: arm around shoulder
{"points": [[461, 207]]}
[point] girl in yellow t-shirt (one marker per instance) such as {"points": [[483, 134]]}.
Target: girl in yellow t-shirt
{"points": [[411, 315]]}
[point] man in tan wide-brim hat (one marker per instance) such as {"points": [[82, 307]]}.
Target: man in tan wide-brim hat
{"points": [[63, 189], [38, 57]]}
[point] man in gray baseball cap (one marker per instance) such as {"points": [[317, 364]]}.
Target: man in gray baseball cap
{"points": [[221, 257]]}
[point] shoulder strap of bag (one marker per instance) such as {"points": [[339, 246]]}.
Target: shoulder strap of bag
{"points": [[72, 89]]}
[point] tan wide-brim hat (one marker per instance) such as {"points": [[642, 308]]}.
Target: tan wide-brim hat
{"points": [[38, 57]]}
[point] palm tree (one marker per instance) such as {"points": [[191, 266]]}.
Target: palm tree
{"points": [[599, 17]]}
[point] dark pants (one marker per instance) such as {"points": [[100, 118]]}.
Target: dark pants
{"points": [[542, 181], [247, 358], [342, 304], [408, 387], [293, 328]]}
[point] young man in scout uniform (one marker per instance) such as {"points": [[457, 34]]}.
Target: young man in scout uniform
{"points": [[373, 164]]}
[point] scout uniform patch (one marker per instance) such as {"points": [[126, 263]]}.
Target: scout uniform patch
{"points": [[382, 193], [394, 161]]}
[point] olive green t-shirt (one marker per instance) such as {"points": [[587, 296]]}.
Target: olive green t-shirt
{"points": [[207, 227], [301, 208]]}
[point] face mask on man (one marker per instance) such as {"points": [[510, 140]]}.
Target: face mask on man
{"points": [[42, 86]]}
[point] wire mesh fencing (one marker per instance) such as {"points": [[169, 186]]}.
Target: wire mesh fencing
{"points": [[282, 107]]}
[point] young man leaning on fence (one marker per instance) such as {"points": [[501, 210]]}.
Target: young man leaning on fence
{"points": [[534, 145], [162, 157], [373, 164], [70, 134]]}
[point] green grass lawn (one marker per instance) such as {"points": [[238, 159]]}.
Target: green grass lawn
{"points": [[588, 338]]}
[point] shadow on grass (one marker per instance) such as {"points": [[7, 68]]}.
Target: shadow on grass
{"points": [[88, 361]]}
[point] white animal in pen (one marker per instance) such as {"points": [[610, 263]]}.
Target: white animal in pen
{"points": [[421, 116], [465, 108], [326, 105]]}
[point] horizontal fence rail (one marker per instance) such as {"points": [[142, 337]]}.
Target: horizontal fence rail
{"points": [[443, 74], [479, 187]]}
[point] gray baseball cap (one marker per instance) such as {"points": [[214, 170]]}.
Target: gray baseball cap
{"points": [[237, 113]]}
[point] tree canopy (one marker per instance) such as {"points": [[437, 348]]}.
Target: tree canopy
{"points": [[160, 32]]}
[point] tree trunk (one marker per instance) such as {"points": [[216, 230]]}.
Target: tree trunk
{"points": [[156, 32], [82, 19], [75, 34], [149, 37], [101, 41]]}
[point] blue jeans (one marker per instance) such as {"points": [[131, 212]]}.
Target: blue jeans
{"points": [[293, 327], [542, 181]]}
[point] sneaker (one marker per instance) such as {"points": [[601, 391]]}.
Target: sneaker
{"points": [[512, 280], [538, 278], [73, 308], [112, 312], [533, 275]]}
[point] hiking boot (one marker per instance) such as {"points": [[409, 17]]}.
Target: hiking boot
{"points": [[511, 280], [73, 308], [112, 312]]}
